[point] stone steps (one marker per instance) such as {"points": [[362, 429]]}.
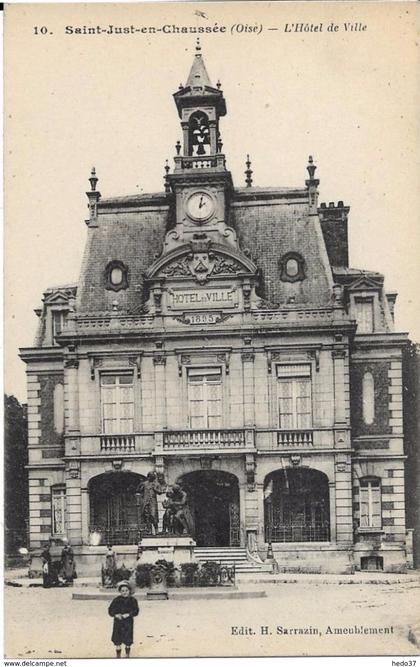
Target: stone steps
{"points": [[229, 556]]}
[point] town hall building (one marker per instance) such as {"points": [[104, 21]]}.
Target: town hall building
{"points": [[218, 336]]}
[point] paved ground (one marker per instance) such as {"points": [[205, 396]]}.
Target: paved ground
{"points": [[48, 623]]}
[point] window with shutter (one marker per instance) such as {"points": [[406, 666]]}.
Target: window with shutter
{"points": [[117, 402], [370, 503], [364, 315], [294, 396], [204, 398]]}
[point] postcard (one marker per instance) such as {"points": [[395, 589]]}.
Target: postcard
{"points": [[211, 327]]}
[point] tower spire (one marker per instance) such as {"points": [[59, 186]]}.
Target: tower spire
{"points": [[198, 76], [200, 106]]}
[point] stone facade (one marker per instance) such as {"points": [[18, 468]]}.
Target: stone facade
{"points": [[218, 335]]}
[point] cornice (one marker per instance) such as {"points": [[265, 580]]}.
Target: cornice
{"points": [[28, 354], [379, 340]]}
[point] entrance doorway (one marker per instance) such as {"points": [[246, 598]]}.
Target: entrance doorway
{"points": [[213, 496], [296, 506], [113, 507]]}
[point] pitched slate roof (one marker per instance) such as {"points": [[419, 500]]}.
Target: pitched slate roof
{"points": [[270, 229], [269, 223], [134, 238]]}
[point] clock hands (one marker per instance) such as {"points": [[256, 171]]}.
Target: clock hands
{"points": [[201, 202]]}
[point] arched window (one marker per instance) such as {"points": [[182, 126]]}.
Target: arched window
{"points": [[368, 398], [199, 134], [296, 506], [370, 502]]}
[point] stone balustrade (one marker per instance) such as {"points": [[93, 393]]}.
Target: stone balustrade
{"points": [[118, 443], [204, 439], [295, 438]]}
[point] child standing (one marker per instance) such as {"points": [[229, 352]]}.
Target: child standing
{"points": [[123, 609]]}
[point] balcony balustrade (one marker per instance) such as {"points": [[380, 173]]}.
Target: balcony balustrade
{"points": [[204, 439], [294, 439], [118, 443]]}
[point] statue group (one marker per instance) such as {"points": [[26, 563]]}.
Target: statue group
{"points": [[177, 518]]}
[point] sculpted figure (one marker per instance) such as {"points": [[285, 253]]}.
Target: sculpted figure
{"points": [[183, 519], [148, 491], [108, 568]]}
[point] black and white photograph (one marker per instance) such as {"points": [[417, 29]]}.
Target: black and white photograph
{"points": [[212, 328]]}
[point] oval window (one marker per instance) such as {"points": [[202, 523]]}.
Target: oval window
{"points": [[116, 276], [368, 398], [292, 267]]}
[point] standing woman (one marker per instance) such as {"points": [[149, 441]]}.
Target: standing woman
{"points": [[68, 567], [123, 609], [46, 567]]}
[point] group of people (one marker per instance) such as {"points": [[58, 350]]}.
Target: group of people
{"points": [[177, 520], [60, 572]]}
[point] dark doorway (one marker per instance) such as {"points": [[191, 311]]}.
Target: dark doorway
{"points": [[213, 497], [296, 506], [113, 507]]}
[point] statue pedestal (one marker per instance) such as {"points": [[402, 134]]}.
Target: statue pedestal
{"points": [[174, 549]]}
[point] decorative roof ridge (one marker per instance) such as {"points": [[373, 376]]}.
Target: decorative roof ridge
{"points": [[349, 271], [269, 188], [57, 288], [134, 198]]}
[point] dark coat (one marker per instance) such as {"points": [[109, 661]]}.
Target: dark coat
{"points": [[68, 567], [122, 632]]}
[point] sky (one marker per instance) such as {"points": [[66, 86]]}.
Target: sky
{"points": [[347, 97]]}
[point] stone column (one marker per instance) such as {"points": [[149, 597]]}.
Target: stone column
{"points": [[242, 513], [213, 137], [339, 387], [333, 531], [159, 361], [71, 396], [186, 142], [73, 503], [343, 501], [249, 393], [259, 497], [85, 515]]}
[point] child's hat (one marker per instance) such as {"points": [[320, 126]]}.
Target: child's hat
{"points": [[122, 583]]}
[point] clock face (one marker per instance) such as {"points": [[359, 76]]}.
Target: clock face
{"points": [[200, 206]]}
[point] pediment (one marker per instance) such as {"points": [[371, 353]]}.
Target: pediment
{"points": [[59, 297], [201, 261], [365, 283]]}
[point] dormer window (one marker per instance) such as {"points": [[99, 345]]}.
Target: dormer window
{"points": [[292, 267], [58, 319], [364, 314], [116, 276]]}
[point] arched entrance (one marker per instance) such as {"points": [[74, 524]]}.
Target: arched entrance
{"points": [[213, 497], [113, 507], [296, 506]]}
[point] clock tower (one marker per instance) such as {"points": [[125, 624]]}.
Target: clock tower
{"points": [[200, 181]]}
